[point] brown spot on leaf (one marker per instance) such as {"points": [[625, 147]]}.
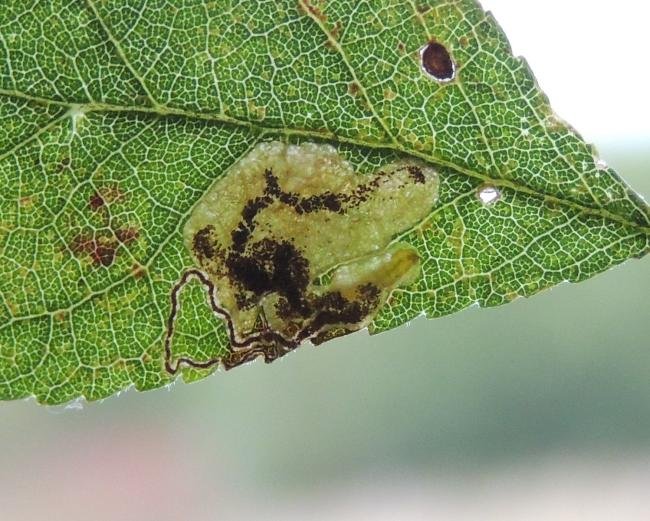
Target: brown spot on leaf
{"points": [[26, 202], [101, 250], [127, 235], [315, 11], [335, 32], [354, 88], [103, 197], [104, 254], [102, 246], [96, 201], [138, 271], [437, 62], [333, 308]]}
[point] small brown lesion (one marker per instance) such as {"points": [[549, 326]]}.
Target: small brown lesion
{"points": [[102, 246], [138, 271], [353, 88], [335, 31], [101, 249], [127, 235], [26, 201], [101, 198], [96, 201], [310, 7], [437, 62]]}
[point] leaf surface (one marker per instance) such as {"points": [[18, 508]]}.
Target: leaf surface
{"points": [[117, 116]]}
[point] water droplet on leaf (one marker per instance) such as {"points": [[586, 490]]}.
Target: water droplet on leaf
{"points": [[489, 195]]}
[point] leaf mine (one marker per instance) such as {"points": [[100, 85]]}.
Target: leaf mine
{"points": [[292, 244], [488, 194]]}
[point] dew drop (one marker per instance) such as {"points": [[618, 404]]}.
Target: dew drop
{"points": [[437, 62], [77, 115], [489, 195]]}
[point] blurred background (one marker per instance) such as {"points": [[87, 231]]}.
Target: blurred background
{"points": [[538, 410]]}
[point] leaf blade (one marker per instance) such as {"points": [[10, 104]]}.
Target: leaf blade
{"points": [[146, 133]]}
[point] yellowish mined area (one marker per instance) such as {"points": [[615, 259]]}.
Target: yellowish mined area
{"points": [[387, 269], [285, 215]]}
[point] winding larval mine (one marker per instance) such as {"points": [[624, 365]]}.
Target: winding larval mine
{"points": [[294, 245]]}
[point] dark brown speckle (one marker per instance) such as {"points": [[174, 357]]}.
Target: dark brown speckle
{"points": [[437, 62]]}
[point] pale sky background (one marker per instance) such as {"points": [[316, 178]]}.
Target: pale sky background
{"points": [[590, 57]]}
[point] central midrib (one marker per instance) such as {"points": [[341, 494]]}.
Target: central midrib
{"points": [[165, 111]]}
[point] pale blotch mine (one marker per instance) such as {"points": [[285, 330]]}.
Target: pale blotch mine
{"points": [[288, 216]]}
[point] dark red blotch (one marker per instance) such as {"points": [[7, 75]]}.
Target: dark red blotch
{"points": [[437, 62]]}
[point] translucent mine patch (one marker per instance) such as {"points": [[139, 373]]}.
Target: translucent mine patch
{"points": [[298, 246]]}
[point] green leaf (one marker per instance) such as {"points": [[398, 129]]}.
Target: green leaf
{"points": [[117, 116]]}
